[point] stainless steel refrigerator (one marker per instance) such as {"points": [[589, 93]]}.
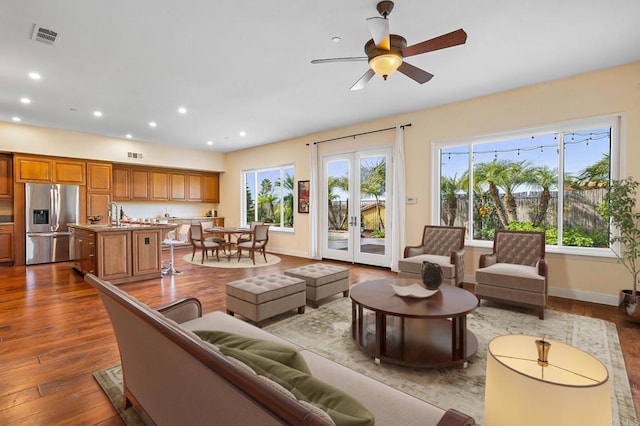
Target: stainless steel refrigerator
{"points": [[49, 208]]}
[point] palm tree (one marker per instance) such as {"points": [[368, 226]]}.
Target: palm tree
{"points": [[287, 185], [597, 172], [545, 178], [514, 175], [373, 183], [337, 217], [491, 174], [266, 199], [449, 189]]}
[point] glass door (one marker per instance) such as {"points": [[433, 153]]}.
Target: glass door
{"points": [[355, 189]]}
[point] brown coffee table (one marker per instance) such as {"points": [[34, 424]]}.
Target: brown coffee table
{"points": [[428, 332]]}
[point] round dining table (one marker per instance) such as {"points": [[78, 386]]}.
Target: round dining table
{"points": [[228, 232]]}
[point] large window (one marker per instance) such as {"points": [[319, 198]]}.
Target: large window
{"points": [[269, 196], [551, 179]]}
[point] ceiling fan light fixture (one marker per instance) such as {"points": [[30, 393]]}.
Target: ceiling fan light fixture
{"points": [[386, 64]]}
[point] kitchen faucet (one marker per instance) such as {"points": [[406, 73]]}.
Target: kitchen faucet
{"points": [[110, 213]]}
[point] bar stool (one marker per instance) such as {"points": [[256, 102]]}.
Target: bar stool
{"points": [[170, 241]]}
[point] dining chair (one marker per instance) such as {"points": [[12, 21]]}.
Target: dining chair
{"points": [[198, 242], [216, 238], [252, 228], [257, 243]]}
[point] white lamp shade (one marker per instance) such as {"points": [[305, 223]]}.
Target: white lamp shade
{"points": [[574, 389]]}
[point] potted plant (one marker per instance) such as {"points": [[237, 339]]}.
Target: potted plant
{"points": [[620, 207]]}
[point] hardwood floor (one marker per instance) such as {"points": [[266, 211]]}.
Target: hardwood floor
{"points": [[54, 333]]}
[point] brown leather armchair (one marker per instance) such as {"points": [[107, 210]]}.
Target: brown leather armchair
{"points": [[516, 272], [443, 245]]}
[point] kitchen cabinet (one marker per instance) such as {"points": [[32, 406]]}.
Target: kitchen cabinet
{"points": [[85, 251], [194, 187], [139, 184], [99, 177], [159, 185], [211, 188], [6, 242], [113, 254], [147, 245], [49, 170], [6, 177], [178, 181], [98, 204], [121, 183]]}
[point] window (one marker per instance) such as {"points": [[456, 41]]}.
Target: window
{"points": [[269, 196], [551, 179]]}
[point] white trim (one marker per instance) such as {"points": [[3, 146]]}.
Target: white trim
{"points": [[584, 296], [295, 253]]}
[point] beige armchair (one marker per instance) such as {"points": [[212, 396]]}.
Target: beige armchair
{"points": [[516, 271], [443, 245]]}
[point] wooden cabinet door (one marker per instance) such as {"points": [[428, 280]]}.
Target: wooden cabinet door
{"points": [[6, 243], [85, 251], [69, 172], [121, 183], [98, 203], [139, 184], [194, 187], [99, 177], [211, 188], [114, 254], [178, 186], [6, 177], [159, 183], [146, 251], [33, 169]]}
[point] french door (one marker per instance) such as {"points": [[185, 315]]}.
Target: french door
{"points": [[356, 206]]}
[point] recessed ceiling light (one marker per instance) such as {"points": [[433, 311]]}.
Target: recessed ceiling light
{"points": [[243, 133], [128, 136], [209, 142], [35, 76], [153, 124], [336, 39], [97, 113], [16, 119], [25, 100], [182, 110]]}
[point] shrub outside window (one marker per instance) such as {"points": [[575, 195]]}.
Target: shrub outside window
{"points": [[551, 179], [268, 197]]}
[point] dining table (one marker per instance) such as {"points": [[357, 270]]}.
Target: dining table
{"points": [[229, 233]]}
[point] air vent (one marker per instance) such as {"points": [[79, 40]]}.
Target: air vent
{"points": [[134, 155], [44, 35]]}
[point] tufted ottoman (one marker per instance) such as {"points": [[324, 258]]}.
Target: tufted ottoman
{"points": [[322, 280], [262, 297]]}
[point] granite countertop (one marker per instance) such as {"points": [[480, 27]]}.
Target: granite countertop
{"points": [[123, 227]]}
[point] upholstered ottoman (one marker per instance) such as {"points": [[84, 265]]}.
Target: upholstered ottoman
{"points": [[265, 296], [322, 280]]}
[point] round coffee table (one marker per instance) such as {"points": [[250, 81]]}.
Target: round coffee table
{"points": [[429, 332]]}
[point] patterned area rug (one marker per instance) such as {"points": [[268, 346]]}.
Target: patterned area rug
{"points": [[245, 262], [326, 331]]}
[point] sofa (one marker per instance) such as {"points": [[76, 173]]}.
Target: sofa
{"points": [[172, 376], [443, 245]]}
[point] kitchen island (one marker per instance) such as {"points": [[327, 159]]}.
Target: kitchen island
{"points": [[119, 253]]}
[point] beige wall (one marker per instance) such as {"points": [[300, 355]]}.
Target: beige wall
{"points": [[614, 90], [61, 143]]}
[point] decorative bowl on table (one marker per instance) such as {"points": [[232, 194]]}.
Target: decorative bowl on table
{"points": [[93, 219]]}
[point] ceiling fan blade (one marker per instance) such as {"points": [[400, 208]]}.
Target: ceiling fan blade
{"points": [[379, 28], [349, 59], [415, 73], [363, 80], [451, 39]]}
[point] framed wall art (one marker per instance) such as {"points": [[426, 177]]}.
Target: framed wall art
{"points": [[303, 196]]}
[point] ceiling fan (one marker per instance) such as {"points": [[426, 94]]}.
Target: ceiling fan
{"points": [[386, 52]]}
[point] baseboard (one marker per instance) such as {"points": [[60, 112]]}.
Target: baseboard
{"points": [[289, 252]]}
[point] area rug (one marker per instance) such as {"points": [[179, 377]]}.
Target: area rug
{"points": [[326, 331], [245, 262]]}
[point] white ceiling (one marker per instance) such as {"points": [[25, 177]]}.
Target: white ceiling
{"points": [[245, 65]]}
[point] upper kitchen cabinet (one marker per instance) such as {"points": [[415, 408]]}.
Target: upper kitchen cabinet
{"points": [[194, 187], [211, 188], [159, 185], [49, 170], [130, 183], [121, 186], [99, 177], [178, 182], [6, 177], [139, 184]]}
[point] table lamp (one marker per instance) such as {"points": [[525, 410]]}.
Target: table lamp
{"points": [[534, 381]]}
